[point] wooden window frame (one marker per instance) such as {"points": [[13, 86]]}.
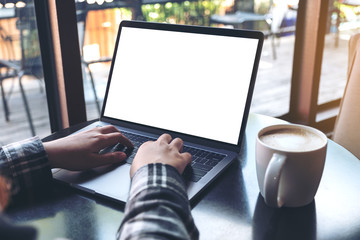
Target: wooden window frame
{"points": [[59, 45], [307, 62]]}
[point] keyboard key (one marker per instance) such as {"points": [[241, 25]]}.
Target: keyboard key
{"points": [[114, 148], [217, 157], [195, 159], [199, 172], [202, 160], [202, 167], [211, 163]]}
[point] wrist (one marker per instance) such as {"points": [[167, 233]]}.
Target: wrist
{"points": [[51, 154]]}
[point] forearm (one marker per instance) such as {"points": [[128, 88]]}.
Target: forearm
{"points": [[158, 207], [26, 166]]}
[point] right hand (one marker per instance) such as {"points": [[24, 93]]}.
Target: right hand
{"points": [[81, 151], [163, 150]]}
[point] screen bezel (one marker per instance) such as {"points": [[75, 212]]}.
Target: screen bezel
{"points": [[190, 29]]}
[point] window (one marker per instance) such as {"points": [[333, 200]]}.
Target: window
{"points": [[319, 70], [289, 76], [22, 114], [98, 23], [343, 21]]}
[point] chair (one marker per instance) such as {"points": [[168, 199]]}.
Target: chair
{"points": [[81, 17], [6, 72], [272, 19], [11, 68], [82, 11], [347, 127], [8, 69]]}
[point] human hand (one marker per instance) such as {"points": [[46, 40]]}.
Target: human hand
{"points": [[164, 150], [81, 151]]}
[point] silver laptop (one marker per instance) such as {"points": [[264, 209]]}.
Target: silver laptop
{"points": [[195, 83]]}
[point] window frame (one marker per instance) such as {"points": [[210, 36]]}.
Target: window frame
{"points": [[60, 51], [305, 82]]}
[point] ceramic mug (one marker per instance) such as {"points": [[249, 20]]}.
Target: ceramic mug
{"points": [[290, 160]]}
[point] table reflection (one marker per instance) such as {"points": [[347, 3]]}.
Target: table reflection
{"points": [[284, 223]]}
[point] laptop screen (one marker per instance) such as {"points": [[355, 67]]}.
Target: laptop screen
{"points": [[190, 83]]}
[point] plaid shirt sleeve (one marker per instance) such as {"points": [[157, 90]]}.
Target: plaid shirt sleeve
{"points": [[158, 207], [26, 166]]}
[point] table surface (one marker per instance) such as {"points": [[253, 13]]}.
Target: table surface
{"points": [[231, 208]]}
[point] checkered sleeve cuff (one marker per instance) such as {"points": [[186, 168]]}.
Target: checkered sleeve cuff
{"points": [[158, 206], [158, 176], [26, 165]]}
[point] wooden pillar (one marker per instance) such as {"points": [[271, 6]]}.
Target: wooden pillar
{"points": [[309, 44], [61, 59]]}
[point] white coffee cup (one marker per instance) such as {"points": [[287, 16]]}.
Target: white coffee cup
{"points": [[290, 160]]}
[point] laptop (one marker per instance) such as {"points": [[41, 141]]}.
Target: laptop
{"points": [[192, 82]]}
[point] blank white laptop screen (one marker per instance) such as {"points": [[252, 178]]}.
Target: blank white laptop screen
{"points": [[191, 83]]}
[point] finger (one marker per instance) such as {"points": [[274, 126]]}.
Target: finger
{"points": [[108, 129], [110, 139], [178, 143], [165, 138], [187, 157], [124, 140], [186, 160], [108, 158]]}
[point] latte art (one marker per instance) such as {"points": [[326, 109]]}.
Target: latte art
{"points": [[292, 139]]}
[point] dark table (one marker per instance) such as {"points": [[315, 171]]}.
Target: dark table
{"points": [[231, 208]]}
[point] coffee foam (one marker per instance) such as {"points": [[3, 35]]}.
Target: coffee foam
{"points": [[292, 139]]}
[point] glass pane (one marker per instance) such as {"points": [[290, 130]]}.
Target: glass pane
{"points": [[343, 22], [272, 89], [99, 20], [97, 33], [20, 62]]}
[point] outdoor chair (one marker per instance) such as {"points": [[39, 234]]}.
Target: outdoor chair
{"points": [[7, 71], [272, 20], [12, 68], [347, 128], [81, 18], [82, 11]]}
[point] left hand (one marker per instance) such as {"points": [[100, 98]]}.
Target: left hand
{"points": [[164, 150], [81, 151]]}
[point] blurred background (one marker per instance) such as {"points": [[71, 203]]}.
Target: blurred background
{"points": [[23, 107]]}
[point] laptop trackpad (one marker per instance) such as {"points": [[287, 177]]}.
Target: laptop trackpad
{"points": [[110, 181]]}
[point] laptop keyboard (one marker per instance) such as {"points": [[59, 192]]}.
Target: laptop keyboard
{"points": [[202, 161]]}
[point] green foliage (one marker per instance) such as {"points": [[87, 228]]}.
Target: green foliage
{"points": [[347, 12], [31, 43], [187, 12]]}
